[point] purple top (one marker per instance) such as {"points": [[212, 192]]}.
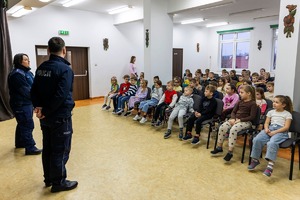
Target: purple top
{"points": [[230, 101]]}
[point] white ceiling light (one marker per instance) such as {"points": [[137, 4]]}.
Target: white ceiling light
{"points": [[45, 1], [119, 9], [216, 24], [23, 11], [217, 6], [71, 2], [14, 9], [191, 21], [247, 12]]}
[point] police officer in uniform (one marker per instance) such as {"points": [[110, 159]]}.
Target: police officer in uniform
{"points": [[20, 81], [52, 98]]}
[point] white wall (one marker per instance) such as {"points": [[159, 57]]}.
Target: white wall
{"points": [[87, 29], [186, 37]]}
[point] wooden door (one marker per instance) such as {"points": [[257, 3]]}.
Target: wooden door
{"points": [[177, 62], [78, 57]]}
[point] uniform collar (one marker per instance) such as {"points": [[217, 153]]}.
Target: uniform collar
{"points": [[58, 58]]}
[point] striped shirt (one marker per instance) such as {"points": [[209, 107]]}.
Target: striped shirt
{"points": [[132, 90]]}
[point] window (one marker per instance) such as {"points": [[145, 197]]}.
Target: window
{"points": [[234, 50], [274, 49]]}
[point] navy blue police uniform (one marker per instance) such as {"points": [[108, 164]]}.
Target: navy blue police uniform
{"points": [[52, 90], [20, 81]]}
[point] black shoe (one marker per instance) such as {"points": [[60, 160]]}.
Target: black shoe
{"points": [[48, 184], [217, 152], [228, 157], [180, 136], [34, 151], [67, 185], [168, 134]]}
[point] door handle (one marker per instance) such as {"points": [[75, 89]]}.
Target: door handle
{"points": [[80, 75]]}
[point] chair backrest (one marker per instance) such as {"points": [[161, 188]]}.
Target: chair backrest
{"points": [[269, 103], [148, 93], [256, 121], [295, 125], [197, 101], [221, 95], [178, 95], [220, 105], [164, 88]]}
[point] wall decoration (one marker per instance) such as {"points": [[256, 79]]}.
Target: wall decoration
{"points": [[289, 20], [147, 38], [105, 44], [259, 44], [198, 47]]}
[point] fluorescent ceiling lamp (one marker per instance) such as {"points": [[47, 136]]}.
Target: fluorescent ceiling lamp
{"points": [[217, 24], [71, 3], [23, 11], [119, 9], [45, 1], [191, 21], [247, 12], [14, 9], [216, 6]]}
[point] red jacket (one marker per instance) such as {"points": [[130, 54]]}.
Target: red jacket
{"points": [[124, 87], [169, 96]]}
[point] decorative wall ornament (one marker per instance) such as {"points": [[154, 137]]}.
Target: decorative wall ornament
{"points": [[289, 20], [259, 44], [147, 38], [105, 44], [198, 47]]}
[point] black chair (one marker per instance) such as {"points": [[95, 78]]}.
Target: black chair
{"points": [[292, 142], [269, 103], [250, 131], [216, 119], [221, 95]]}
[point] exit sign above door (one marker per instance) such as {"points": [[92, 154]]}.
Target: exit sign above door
{"points": [[63, 32]]}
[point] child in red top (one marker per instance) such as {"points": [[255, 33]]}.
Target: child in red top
{"points": [[167, 101], [124, 87]]}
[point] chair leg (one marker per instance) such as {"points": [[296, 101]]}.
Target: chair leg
{"points": [[292, 162], [208, 138], [244, 148], [216, 141], [250, 145]]}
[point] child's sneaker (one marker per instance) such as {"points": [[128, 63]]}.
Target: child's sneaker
{"points": [[168, 134], [158, 124], [268, 172], [127, 113], [187, 137], [228, 157], [114, 112], [137, 117], [195, 141], [253, 164], [153, 122], [180, 136], [143, 120], [107, 107], [217, 152], [120, 111], [104, 106]]}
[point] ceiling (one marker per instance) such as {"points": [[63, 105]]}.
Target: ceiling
{"points": [[232, 11]]}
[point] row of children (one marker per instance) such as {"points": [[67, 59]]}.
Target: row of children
{"points": [[242, 107]]}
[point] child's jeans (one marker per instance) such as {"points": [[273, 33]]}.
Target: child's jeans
{"points": [[121, 101], [144, 105], [272, 143]]}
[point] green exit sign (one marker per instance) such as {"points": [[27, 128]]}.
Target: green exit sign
{"points": [[62, 32]]}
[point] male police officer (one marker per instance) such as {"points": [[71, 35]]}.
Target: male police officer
{"points": [[52, 98]]}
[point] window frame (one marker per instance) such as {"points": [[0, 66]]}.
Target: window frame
{"points": [[235, 42]]}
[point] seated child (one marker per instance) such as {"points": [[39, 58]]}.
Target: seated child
{"points": [[177, 86], [206, 111], [140, 95], [155, 79], [260, 100], [144, 105], [168, 100], [114, 88], [270, 93], [275, 132], [216, 92], [193, 86], [222, 85], [125, 96], [184, 105], [124, 87], [242, 116], [229, 100], [186, 81]]}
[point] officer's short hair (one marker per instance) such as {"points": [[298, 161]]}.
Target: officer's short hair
{"points": [[56, 44]]}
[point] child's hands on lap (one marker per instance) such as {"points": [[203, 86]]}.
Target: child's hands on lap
{"points": [[231, 121]]}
